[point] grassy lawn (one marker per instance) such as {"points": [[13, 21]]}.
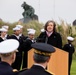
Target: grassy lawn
{"points": [[73, 68]]}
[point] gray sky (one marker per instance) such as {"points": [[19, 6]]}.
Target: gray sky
{"points": [[11, 10]]}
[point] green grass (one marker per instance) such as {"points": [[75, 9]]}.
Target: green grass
{"points": [[73, 68]]}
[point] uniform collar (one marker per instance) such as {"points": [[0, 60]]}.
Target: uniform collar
{"points": [[20, 34], [5, 63], [39, 65], [17, 36]]}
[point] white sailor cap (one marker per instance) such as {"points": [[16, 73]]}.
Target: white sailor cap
{"points": [[70, 38], [8, 46], [42, 30], [32, 31], [20, 26], [5, 26], [3, 30], [16, 28]]}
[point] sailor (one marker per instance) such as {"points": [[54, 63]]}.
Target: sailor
{"points": [[7, 28], [27, 45], [70, 49]]}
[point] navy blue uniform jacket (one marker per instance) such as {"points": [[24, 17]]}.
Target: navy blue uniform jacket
{"points": [[35, 70], [6, 69]]}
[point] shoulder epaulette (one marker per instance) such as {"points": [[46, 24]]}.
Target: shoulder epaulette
{"points": [[15, 70], [49, 72], [24, 69]]}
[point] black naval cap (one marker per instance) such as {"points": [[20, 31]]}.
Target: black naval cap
{"points": [[43, 48]]}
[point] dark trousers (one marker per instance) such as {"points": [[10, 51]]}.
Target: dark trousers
{"points": [[69, 65], [18, 61], [25, 60]]}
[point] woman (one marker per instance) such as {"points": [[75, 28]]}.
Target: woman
{"points": [[50, 35]]}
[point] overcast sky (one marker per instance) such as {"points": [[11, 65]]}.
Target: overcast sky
{"points": [[11, 10]]}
